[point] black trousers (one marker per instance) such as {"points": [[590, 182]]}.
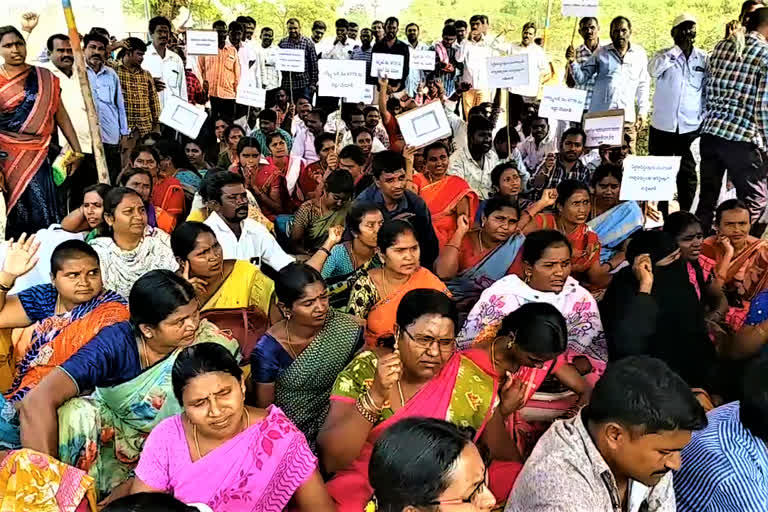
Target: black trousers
{"points": [[747, 171], [661, 143], [225, 108]]}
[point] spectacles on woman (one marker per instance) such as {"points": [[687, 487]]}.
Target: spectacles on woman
{"points": [[425, 342], [473, 498]]}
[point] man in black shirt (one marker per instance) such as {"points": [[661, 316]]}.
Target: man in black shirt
{"points": [[392, 45]]}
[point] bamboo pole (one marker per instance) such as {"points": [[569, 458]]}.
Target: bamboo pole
{"points": [[546, 24], [85, 88]]}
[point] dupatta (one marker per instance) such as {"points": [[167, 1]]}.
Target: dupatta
{"points": [[748, 271], [584, 241], [442, 197], [616, 225], [28, 103]]}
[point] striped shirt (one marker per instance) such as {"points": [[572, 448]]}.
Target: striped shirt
{"points": [[737, 91], [724, 467], [222, 72]]}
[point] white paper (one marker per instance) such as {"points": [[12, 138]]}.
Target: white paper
{"points": [[424, 125], [249, 94], [422, 59], [649, 178], [361, 95], [510, 71], [290, 60], [581, 8], [608, 129], [182, 116], [340, 78], [202, 42], [387, 65], [562, 103]]}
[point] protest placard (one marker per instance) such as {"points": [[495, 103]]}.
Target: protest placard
{"points": [[649, 178], [606, 127], [361, 95], [422, 59], [424, 125], [387, 65], [580, 8], [249, 94], [510, 71], [290, 60], [182, 116], [202, 42], [340, 78], [562, 103]]}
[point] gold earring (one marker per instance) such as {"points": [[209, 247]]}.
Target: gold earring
{"points": [[527, 278], [511, 342]]}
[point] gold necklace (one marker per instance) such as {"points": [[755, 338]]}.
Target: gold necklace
{"points": [[480, 241], [197, 442], [400, 390], [290, 345]]}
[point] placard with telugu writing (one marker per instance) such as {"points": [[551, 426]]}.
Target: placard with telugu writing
{"points": [[361, 95], [290, 60], [580, 8], [510, 71], [424, 125], [605, 127], [387, 65], [422, 59], [340, 78], [202, 42], [649, 178], [562, 103], [249, 94]]}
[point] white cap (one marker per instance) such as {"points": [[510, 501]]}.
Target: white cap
{"points": [[682, 19]]}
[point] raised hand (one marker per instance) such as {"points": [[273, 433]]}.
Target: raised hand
{"points": [[29, 21], [462, 223], [409, 153], [388, 371], [511, 395], [200, 285], [548, 197], [570, 53], [643, 270], [334, 234], [21, 256]]}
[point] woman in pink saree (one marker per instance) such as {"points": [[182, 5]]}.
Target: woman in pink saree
{"points": [[424, 377], [224, 454]]}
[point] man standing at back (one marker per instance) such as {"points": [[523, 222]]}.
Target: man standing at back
{"points": [[303, 84], [165, 66], [265, 68], [589, 30], [221, 72], [735, 130], [392, 45]]}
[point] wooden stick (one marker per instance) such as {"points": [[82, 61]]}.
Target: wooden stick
{"points": [[573, 34], [290, 83], [338, 130], [85, 88]]}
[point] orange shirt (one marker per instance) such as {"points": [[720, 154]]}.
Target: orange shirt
{"points": [[222, 72]]}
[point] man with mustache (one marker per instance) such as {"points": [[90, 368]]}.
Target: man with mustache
{"points": [[565, 165], [678, 103], [475, 162], [621, 77], [166, 67], [221, 72], [619, 452]]}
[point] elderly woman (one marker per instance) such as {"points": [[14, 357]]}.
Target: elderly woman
{"points": [[141, 181], [90, 215], [223, 453], [130, 247], [417, 374], [296, 362]]}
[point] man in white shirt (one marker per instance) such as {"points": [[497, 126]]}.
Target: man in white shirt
{"points": [[475, 162], [165, 66], [240, 237], [265, 68], [342, 46], [678, 103], [474, 56], [538, 63], [539, 144]]}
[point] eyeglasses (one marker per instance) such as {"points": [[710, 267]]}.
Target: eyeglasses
{"points": [[472, 498], [425, 342]]}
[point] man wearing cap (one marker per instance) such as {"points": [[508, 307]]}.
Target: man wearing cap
{"points": [[678, 103]]}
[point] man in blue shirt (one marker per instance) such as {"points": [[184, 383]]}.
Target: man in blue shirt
{"points": [[725, 466]]}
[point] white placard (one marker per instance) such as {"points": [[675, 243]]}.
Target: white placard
{"points": [[290, 60], [422, 59], [202, 42], [581, 8], [387, 65], [510, 71], [562, 103], [249, 94], [424, 125], [182, 116], [361, 95], [649, 178], [340, 78], [604, 128]]}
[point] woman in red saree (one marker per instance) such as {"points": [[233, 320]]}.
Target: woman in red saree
{"points": [[447, 197], [265, 180], [309, 184], [29, 105], [423, 377], [741, 260]]}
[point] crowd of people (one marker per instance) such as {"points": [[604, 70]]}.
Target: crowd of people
{"points": [[299, 310]]}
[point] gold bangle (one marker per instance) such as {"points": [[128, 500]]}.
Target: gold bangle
{"points": [[367, 415], [454, 246]]}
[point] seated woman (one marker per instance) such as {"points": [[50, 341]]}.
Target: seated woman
{"points": [[741, 260], [226, 289], [423, 377], [223, 453], [376, 294], [295, 364], [195, 152], [129, 366], [347, 261], [308, 185], [263, 179], [171, 196], [448, 197], [141, 181], [129, 248], [451, 463], [352, 159], [315, 217], [506, 182], [90, 215], [614, 221], [476, 258], [573, 207], [229, 157], [174, 166], [363, 138], [54, 320], [651, 309], [218, 143], [280, 156]]}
